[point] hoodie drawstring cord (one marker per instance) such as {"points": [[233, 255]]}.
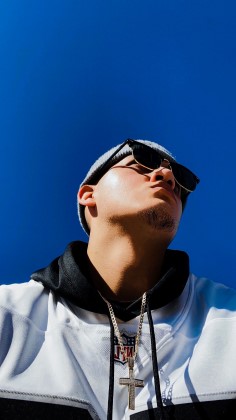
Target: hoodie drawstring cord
{"points": [[111, 374], [160, 407]]}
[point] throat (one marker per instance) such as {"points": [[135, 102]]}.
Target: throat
{"points": [[126, 288], [122, 274]]}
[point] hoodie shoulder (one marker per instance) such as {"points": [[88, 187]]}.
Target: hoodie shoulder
{"points": [[215, 294], [25, 300]]}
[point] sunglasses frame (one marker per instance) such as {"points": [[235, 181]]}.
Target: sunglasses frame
{"points": [[171, 165]]}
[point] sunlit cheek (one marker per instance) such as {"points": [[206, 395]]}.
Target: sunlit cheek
{"points": [[115, 193], [114, 182]]}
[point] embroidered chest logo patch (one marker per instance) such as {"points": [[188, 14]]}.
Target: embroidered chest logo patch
{"points": [[129, 347]]}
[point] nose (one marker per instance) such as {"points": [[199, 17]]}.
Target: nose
{"points": [[164, 173]]}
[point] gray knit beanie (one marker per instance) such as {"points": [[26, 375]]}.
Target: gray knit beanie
{"points": [[94, 173]]}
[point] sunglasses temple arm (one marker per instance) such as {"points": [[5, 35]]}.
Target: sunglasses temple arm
{"points": [[115, 152]]}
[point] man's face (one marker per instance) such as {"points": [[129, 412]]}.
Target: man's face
{"points": [[136, 198]]}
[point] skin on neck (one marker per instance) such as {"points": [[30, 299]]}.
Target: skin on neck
{"points": [[125, 264], [133, 216]]}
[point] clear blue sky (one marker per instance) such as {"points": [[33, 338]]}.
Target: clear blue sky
{"points": [[78, 77]]}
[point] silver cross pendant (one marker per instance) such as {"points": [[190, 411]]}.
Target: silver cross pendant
{"points": [[131, 382]]}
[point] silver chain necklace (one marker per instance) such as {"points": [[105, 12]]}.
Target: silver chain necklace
{"points": [[131, 382]]}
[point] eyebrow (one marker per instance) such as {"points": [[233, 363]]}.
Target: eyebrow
{"points": [[125, 164]]}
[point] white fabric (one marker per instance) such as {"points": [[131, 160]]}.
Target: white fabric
{"points": [[52, 350]]}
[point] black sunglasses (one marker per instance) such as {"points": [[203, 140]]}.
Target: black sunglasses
{"points": [[152, 159]]}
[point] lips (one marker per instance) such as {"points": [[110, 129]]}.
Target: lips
{"points": [[165, 186]]}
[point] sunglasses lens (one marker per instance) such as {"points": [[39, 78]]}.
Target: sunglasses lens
{"points": [[184, 177], [146, 156], [151, 159]]}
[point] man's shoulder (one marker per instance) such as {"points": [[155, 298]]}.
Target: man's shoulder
{"points": [[16, 290], [219, 295], [20, 298]]}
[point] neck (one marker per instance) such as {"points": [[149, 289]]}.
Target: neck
{"points": [[122, 268]]}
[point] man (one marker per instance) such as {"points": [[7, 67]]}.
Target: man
{"points": [[118, 328]]}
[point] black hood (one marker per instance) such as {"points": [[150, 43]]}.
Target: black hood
{"points": [[67, 276]]}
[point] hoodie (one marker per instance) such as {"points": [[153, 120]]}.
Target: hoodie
{"points": [[60, 356]]}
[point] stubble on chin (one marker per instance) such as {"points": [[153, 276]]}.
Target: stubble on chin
{"points": [[159, 219]]}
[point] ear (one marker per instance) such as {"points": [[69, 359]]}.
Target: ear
{"points": [[85, 196]]}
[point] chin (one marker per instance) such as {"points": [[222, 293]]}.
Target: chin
{"points": [[160, 219]]}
